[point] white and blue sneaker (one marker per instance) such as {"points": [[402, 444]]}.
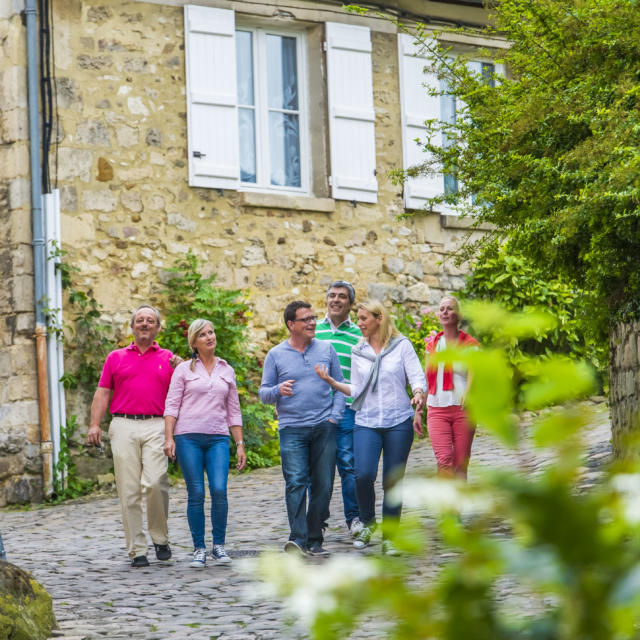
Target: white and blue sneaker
{"points": [[219, 553], [199, 559]]}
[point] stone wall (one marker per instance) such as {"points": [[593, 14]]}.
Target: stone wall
{"points": [[624, 388], [20, 466]]}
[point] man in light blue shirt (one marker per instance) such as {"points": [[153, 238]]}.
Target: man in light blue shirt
{"points": [[308, 415]]}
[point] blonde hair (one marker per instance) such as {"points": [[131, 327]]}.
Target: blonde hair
{"points": [[456, 302], [192, 335], [387, 329]]}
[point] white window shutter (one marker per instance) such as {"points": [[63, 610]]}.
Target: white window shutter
{"points": [[212, 113], [351, 114], [417, 107]]}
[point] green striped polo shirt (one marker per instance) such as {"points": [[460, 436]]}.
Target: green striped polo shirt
{"points": [[343, 339]]}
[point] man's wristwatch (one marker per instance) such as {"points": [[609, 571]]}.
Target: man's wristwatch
{"points": [[240, 443]]}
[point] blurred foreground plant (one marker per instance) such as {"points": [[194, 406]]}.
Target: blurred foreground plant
{"points": [[527, 556]]}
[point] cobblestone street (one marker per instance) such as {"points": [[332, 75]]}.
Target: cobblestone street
{"points": [[76, 551]]}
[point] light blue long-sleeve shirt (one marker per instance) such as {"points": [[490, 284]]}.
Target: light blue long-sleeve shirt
{"points": [[313, 400]]}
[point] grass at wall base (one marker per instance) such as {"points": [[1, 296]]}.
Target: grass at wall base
{"points": [[576, 554]]}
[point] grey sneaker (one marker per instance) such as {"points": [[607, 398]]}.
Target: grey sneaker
{"points": [[389, 549], [316, 549], [291, 546], [356, 527], [363, 538], [199, 559], [219, 553]]}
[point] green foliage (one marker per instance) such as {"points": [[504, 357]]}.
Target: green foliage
{"points": [[66, 484], [87, 338], [550, 153], [189, 295], [417, 330], [574, 555], [503, 276]]}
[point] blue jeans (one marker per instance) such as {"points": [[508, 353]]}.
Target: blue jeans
{"points": [[394, 443], [345, 464], [308, 463], [197, 452]]}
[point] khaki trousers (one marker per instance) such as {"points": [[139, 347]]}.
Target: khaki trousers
{"points": [[141, 469]]}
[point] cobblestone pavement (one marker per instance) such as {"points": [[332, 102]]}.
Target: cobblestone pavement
{"points": [[77, 552]]}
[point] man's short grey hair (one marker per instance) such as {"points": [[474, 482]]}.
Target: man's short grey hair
{"points": [[343, 284], [146, 306]]}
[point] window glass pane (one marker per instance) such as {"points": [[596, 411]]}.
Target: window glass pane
{"points": [[488, 70], [247, 135], [282, 72], [284, 142], [244, 67]]}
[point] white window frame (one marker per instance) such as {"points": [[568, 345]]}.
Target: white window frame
{"points": [[260, 89]]}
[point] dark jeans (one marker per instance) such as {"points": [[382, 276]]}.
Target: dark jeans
{"points": [[345, 464], [394, 443], [308, 463], [197, 452]]}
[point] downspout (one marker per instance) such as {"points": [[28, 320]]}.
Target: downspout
{"points": [[38, 243]]}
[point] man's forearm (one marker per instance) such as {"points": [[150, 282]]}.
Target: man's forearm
{"points": [[99, 405]]}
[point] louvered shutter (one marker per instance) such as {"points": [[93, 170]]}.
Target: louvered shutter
{"points": [[417, 107], [351, 114], [212, 114]]}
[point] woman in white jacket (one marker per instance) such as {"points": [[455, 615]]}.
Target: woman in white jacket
{"points": [[382, 364]]}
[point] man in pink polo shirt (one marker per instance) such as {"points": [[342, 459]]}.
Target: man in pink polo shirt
{"points": [[139, 377]]}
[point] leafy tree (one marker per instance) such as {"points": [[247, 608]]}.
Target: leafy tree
{"points": [[550, 154]]}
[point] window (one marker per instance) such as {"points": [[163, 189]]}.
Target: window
{"points": [[247, 116], [271, 119], [418, 105]]}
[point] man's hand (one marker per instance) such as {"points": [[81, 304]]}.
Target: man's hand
{"points": [[286, 388], [175, 360], [94, 435]]}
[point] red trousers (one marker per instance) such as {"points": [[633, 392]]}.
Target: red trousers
{"points": [[451, 436]]}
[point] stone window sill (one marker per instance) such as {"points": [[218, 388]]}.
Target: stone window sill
{"points": [[456, 222], [286, 201]]}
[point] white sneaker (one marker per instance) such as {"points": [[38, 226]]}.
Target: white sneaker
{"points": [[356, 527], [363, 538], [219, 553], [199, 559], [388, 548]]}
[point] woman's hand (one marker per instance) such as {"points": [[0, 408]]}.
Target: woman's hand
{"points": [[417, 422], [418, 400], [169, 448], [241, 456], [323, 371]]}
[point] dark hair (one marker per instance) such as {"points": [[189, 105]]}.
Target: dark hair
{"points": [[291, 310], [343, 284]]}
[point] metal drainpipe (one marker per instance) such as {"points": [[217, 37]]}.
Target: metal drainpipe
{"points": [[38, 243]]}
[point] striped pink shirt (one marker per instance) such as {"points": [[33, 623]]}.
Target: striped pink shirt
{"points": [[203, 403]]}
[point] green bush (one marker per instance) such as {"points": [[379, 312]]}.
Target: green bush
{"points": [[187, 296], [417, 329], [573, 554], [503, 276]]}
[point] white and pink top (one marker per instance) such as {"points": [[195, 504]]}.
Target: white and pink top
{"points": [[203, 402]]}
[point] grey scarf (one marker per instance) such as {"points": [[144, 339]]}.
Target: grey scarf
{"points": [[372, 380]]}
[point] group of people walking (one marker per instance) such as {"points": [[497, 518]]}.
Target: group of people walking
{"points": [[340, 391]]}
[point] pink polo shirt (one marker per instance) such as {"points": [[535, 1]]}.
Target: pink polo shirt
{"points": [[140, 381], [204, 403]]}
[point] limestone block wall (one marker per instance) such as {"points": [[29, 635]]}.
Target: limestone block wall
{"points": [[625, 387], [20, 466]]}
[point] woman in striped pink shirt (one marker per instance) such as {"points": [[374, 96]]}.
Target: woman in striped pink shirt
{"points": [[202, 407]]}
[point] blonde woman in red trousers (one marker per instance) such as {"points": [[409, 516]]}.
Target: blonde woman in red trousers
{"points": [[450, 431]]}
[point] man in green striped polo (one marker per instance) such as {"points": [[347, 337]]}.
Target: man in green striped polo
{"points": [[343, 335]]}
